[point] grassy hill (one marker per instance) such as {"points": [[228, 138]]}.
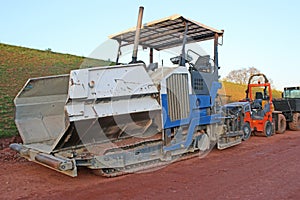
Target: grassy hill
{"points": [[236, 91], [17, 64]]}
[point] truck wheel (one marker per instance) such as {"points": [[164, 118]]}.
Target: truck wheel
{"points": [[246, 131], [268, 129], [281, 124], [295, 124]]}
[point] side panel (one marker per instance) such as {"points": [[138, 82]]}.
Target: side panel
{"points": [[174, 97], [40, 115], [178, 96]]}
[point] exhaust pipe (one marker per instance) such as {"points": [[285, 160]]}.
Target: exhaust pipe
{"points": [[137, 35]]}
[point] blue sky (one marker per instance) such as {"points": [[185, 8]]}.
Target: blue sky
{"points": [[261, 34]]}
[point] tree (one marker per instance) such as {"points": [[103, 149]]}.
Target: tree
{"points": [[48, 50], [241, 76]]}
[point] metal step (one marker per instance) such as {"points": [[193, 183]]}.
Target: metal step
{"points": [[229, 144], [232, 134]]}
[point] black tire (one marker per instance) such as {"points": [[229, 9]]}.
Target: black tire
{"points": [[268, 130], [281, 124], [295, 124], [246, 131]]}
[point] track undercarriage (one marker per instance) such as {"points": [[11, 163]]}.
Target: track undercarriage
{"points": [[119, 156]]}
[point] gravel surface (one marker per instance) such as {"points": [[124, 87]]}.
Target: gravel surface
{"points": [[260, 168]]}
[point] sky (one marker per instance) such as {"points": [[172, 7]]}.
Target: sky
{"points": [[260, 34]]}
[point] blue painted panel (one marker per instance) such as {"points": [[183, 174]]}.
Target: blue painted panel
{"points": [[199, 101], [167, 123], [214, 91], [198, 105], [194, 123]]}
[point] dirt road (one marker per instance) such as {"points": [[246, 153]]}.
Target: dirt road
{"points": [[261, 168]]}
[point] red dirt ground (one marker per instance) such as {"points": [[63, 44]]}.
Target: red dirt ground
{"points": [[261, 168]]}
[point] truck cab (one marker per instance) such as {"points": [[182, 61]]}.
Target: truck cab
{"points": [[289, 106], [291, 92]]}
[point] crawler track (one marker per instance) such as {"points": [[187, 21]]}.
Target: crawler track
{"points": [[147, 165]]}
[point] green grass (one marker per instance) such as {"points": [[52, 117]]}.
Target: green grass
{"points": [[17, 64]]}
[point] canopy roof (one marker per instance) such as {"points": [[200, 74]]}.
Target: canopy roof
{"points": [[167, 33]]}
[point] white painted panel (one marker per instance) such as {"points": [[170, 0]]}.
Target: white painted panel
{"points": [[78, 87]]}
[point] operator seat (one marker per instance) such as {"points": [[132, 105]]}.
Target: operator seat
{"points": [[203, 65], [257, 103], [258, 112]]}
